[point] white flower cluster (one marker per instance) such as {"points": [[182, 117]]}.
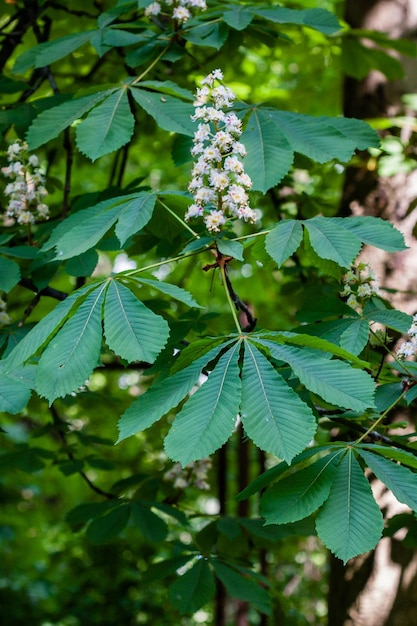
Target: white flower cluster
{"points": [[195, 474], [4, 317], [409, 348], [219, 184], [181, 9], [359, 284], [27, 189]]}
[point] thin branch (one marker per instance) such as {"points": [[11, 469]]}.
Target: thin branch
{"points": [[46, 291], [59, 424]]}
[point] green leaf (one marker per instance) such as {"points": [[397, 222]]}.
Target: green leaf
{"points": [[332, 242], [273, 415], [394, 454], [374, 231], [283, 240], [193, 589], [208, 418], [50, 51], [319, 19], [300, 493], [350, 521], [232, 248], [163, 396], [73, 353], [84, 512], [108, 127], [132, 331], [169, 113], [275, 472], [400, 480], [43, 330], [14, 393], [171, 290], [334, 381], [168, 87], [300, 339], [83, 264], [105, 528], [242, 587], [9, 274], [48, 124], [269, 154], [238, 18], [355, 337], [376, 311], [135, 215], [162, 569], [212, 35], [152, 527], [85, 228]]}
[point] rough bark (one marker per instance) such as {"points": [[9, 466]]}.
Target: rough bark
{"points": [[379, 588]]}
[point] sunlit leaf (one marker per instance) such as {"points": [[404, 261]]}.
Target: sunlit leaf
{"points": [[273, 415], [209, 416]]}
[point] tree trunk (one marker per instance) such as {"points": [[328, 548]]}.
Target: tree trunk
{"points": [[380, 588]]}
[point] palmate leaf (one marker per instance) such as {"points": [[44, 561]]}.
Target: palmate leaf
{"points": [[314, 136], [171, 290], [275, 472], [300, 493], [132, 331], [163, 396], [84, 229], [169, 113], [273, 415], [311, 341], [355, 336], [330, 241], [193, 589], [238, 17], [51, 51], [108, 127], [9, 274], [376, 311], [14, 392], [283, 240], [374, 231], [208, 418], [269, 154], [48, 124], [135, 215], [39, 335], [242, 587], [400, 480], [334, 381], [319, 19], [350, 521], [73, 353]]}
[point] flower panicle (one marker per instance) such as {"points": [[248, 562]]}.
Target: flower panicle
{"points": [[219, 184], [182, 10], [359, 284], [26, 191], [409, 348]]}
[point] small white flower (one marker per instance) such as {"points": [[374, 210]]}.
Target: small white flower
{"points": [[4, 318], [181, 14], [214, 221], [153, 9], [33, 160], [352, 302], [193, 211], [219, 179]]}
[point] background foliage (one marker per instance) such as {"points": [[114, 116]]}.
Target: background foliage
{"points": [[113, 323]]}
